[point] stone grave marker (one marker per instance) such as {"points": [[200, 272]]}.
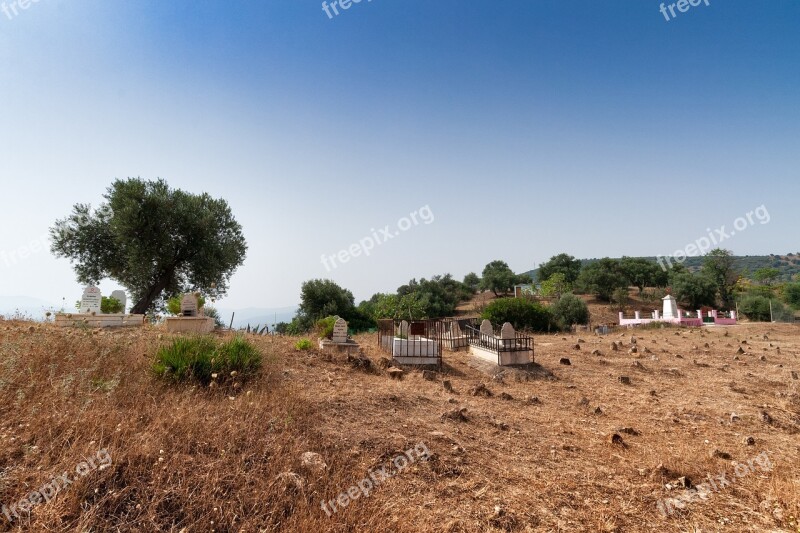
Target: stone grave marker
{"points": [[123, 299], [189, 305], [507, 332], [339, 331], [91, 299], [403, 329], [455, 330], [486, 328]]}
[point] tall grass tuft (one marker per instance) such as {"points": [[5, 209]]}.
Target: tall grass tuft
{"points": [[199, 358]]}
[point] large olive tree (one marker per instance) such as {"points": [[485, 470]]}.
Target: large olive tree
{"points": [[153, 240]]}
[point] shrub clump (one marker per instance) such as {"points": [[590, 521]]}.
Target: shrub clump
{"points": [[203, 359], [324, 327], [569, 310], [303, 344], [521, 313]]}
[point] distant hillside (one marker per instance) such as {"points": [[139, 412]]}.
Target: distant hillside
{"points": [[788, 265]]}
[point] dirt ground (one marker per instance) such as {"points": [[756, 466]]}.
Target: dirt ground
{"points": [[554, 447]]}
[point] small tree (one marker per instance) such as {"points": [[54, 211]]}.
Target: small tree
{"points": [[602, 278], [570, 310], [320, 298], [472, 282], [718, 266], [153, 240], [791, 294], [696, 290], [499, 278], [766, 275], [555, 285]]}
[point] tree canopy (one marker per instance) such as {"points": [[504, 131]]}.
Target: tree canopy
{"points": [[499, 278], [602, 278], [154, 240], [561, 263]]}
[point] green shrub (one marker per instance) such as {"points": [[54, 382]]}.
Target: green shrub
{"points": [[174, 304], [110, 306], [569, 310], [324, 327], [791, 294], [521, 313], [755, 308], [304, 344], [200, 358], [211, 312]]}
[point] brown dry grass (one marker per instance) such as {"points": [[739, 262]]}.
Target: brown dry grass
{"points": [[209, 460]]}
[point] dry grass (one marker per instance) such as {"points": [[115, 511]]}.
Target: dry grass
{"points": [[211, 460]]}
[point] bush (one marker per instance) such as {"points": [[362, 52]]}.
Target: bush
{"points": [[569, 310], [791, 293], [304, 344], [521, 313], [110, 306], [755, 308], [211, 312], [174, 304], [202, 359], [324, 327]]}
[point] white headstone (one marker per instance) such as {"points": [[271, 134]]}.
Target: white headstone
{"points": [[339, 331], [91, 299], [486, 328], [507, 332], [404, 329], [455, 330], [189, 305], [123, 299], [670, 307]]}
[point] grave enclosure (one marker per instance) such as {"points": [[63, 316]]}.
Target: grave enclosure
{"points": [[91, 315], [339, 341], [191, 319]]}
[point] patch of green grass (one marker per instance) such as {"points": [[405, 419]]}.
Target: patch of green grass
{"points": [[304, 344], [203, 359]]}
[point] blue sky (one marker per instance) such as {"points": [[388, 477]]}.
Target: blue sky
{"points": [[528, 128]]}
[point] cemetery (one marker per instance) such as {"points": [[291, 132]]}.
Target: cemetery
{"points": [[90, 313], [670, 314]]}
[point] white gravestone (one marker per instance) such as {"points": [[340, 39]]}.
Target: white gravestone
{"points": [[404, 329], [123, 299], [189, 305], [455, 330], [91, 299], [507, 332], [339, 331], [486, 328]]}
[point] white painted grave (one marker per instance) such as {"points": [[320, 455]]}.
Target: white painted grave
{"points": [[91, 299]]}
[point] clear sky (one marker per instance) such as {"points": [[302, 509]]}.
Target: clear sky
{"points": [[527, 128]]}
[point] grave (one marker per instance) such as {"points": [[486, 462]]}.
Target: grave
{"points": [[454, 338], [191, 319], [91, 315], [509, 348], [418, 342], [122, 298], [339, 341]]}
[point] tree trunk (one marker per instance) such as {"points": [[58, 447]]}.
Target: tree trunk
{"points": [[154, 292]]}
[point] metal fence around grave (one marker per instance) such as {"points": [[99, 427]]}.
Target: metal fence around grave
{"points": [[415, 341], [519, 343]]}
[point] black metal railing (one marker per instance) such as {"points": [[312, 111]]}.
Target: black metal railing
{"points": [[519, 343]]}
